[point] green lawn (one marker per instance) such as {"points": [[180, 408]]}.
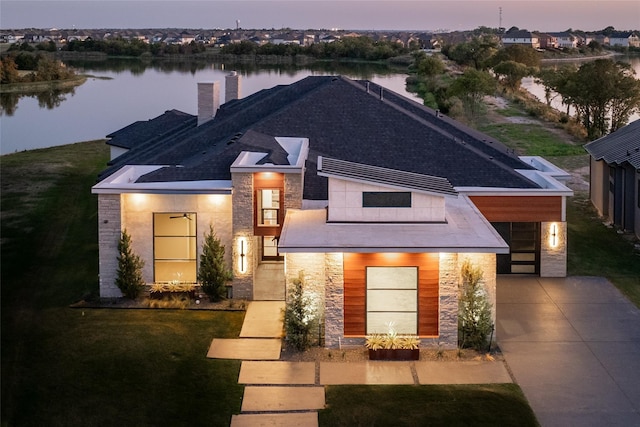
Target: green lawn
{"points": [[451, 405], [530, 139], [595, 250], [66, 366]]}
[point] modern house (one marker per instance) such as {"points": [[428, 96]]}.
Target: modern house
{"points": [[376, 199], [615, 177]]}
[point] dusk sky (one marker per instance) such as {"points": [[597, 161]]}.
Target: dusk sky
{"points": [[557, 15]]}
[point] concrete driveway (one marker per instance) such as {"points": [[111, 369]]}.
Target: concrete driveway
{"points": [[573, 346]]}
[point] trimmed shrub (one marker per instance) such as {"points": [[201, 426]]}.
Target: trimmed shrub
{"points": [[474, 309], [213, 273], [300, 318], [129, 276]]}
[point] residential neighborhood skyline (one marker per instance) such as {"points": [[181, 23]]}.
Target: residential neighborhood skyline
{"points": [[304, 14]]}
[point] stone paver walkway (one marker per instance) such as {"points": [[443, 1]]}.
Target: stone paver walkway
{"points": [[297, 373], [274, 399], [245, 349], [264, 319], [287, 394]]}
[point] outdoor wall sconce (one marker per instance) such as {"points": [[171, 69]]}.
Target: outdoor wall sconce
{"points": [[553, 237], [242, 261]]}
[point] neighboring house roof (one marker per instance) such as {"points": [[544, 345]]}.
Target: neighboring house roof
{"points": [[618, 147], [342, 119], [138, 133]]}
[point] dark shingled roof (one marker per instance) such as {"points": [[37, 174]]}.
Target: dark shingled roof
{"points": [[618, 147], [141, 132], [342, 120]]}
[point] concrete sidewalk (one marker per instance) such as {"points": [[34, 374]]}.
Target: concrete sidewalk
{"points": [[573, 346]]}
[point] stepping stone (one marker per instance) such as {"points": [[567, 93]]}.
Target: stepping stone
{"points": [[332, 373], [264, 319], [259, 399], [296, 419], [245, 349], [277, 373], [473, 372]]}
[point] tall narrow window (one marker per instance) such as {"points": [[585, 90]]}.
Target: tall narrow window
{"points": [[268, 207], [174, 247]]}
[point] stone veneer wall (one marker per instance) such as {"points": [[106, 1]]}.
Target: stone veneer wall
{"points": [[313, 270], [109, 229], [242, 201], [293, 191], [553, 260]]}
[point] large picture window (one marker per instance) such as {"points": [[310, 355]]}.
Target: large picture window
{"points": [[392, 296], [174, 247], [268, 207]]}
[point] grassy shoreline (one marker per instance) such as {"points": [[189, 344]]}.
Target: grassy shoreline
{"points": [[35, 87]]}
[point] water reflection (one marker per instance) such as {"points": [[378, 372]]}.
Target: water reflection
{"points": [[48, 99], [247, 68], [121, 91]]}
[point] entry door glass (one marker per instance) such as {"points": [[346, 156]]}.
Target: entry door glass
{"points": [[523, 239], [270, 248]]}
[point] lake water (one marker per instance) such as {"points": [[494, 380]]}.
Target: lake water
{"points": [[138, 92]]}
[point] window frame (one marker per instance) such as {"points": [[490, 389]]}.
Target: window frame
{"points": [[387, 199], [192, 239], [415, 288]]}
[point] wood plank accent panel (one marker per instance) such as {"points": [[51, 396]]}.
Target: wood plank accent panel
{"points": [[355, 288], [519, 208]]}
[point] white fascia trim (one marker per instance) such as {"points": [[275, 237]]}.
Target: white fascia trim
{"points": [[545, 166], [498, 191], [297, 148], [124, 181], [315, 249]]}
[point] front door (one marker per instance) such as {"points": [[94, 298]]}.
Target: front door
{"points": [[270, 249], [523, 239]]}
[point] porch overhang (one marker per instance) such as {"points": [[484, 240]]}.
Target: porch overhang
{"points": [[465, 230]]}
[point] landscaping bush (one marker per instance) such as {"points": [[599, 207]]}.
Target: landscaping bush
{"points": [[474, 310], [300, 318], [213, 273], [129, 276]]}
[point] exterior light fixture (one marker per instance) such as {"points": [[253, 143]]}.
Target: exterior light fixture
{"points": [[553, 237], [242, 255]]}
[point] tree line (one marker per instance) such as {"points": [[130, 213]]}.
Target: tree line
{"points": [[361, 48], [132, 47], [40, 68], [603, 92]]}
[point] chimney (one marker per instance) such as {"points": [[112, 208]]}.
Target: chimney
{"points": [[232, 86], [208, 101]]}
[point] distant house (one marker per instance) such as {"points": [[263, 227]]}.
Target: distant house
{"points": [[521, 37], [615, 177], [624, 39], [376, 199], [548, 41], [566, 40]]}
